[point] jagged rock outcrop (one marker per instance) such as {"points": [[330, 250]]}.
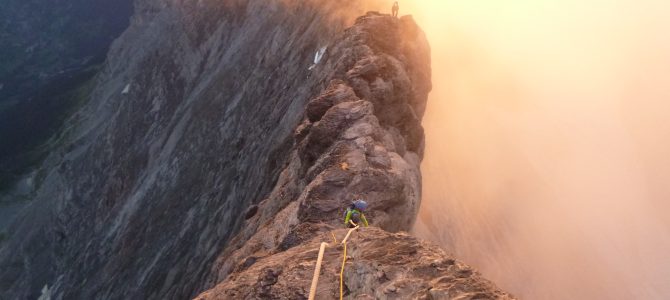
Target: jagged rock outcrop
{"points": [[361, 137], [211, 149], [381, 265]]}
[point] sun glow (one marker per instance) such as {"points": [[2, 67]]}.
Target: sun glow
{"points": [[547, 138]]}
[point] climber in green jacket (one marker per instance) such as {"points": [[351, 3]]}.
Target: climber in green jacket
{"points": [[355, 214]]}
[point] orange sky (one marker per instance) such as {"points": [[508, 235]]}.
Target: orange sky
{"points": [[547, 143]]}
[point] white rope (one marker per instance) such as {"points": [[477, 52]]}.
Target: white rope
{"points": [[317, 271]]}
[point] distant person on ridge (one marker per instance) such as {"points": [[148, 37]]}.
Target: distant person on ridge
{"points": [[395, 9], [355, 214]]}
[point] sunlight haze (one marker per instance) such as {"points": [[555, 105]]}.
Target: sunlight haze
{"points": [[547, 129]]}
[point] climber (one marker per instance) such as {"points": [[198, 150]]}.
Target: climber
{"points": [[355, 213], [395, 9]]}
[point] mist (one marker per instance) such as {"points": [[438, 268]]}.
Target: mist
{"points": [[548, 136]]}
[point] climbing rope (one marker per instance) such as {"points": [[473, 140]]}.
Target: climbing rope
{"points": [[344, 258], [317, 270], [319, 260]]}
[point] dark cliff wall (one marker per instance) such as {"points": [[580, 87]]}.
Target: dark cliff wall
{"points": [[154, 182], [49, 50], [40, 39]]}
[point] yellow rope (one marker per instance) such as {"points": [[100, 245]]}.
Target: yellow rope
{"points": [[344, 258], [317, 268]]}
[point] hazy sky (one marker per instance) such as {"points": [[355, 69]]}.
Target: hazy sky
{"points": [[548, 143]]}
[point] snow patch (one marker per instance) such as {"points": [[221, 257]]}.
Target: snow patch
{"points": [[126, 89], [318, 56], [46, 293]]}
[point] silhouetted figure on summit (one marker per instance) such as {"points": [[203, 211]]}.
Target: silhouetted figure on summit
{"points": [[395, 9]]}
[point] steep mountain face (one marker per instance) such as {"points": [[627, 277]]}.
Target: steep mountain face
{"points": [[42, 39], [152, 184], [361, 137], [213, 149], [49, 51]]}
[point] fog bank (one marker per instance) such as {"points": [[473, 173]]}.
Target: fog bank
{"points": [[547, 144]]}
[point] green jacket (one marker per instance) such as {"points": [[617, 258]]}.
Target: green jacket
{"points": [[353, 213]]}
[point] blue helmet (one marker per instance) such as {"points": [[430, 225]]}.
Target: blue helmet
{"points": [[360, 204]]}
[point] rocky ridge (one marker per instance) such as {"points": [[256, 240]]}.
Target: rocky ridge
{"points": [[361, 137], [210, 152], [380, 265]]}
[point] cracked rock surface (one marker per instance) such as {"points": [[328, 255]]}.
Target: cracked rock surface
{"points": [[380, 265]]}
